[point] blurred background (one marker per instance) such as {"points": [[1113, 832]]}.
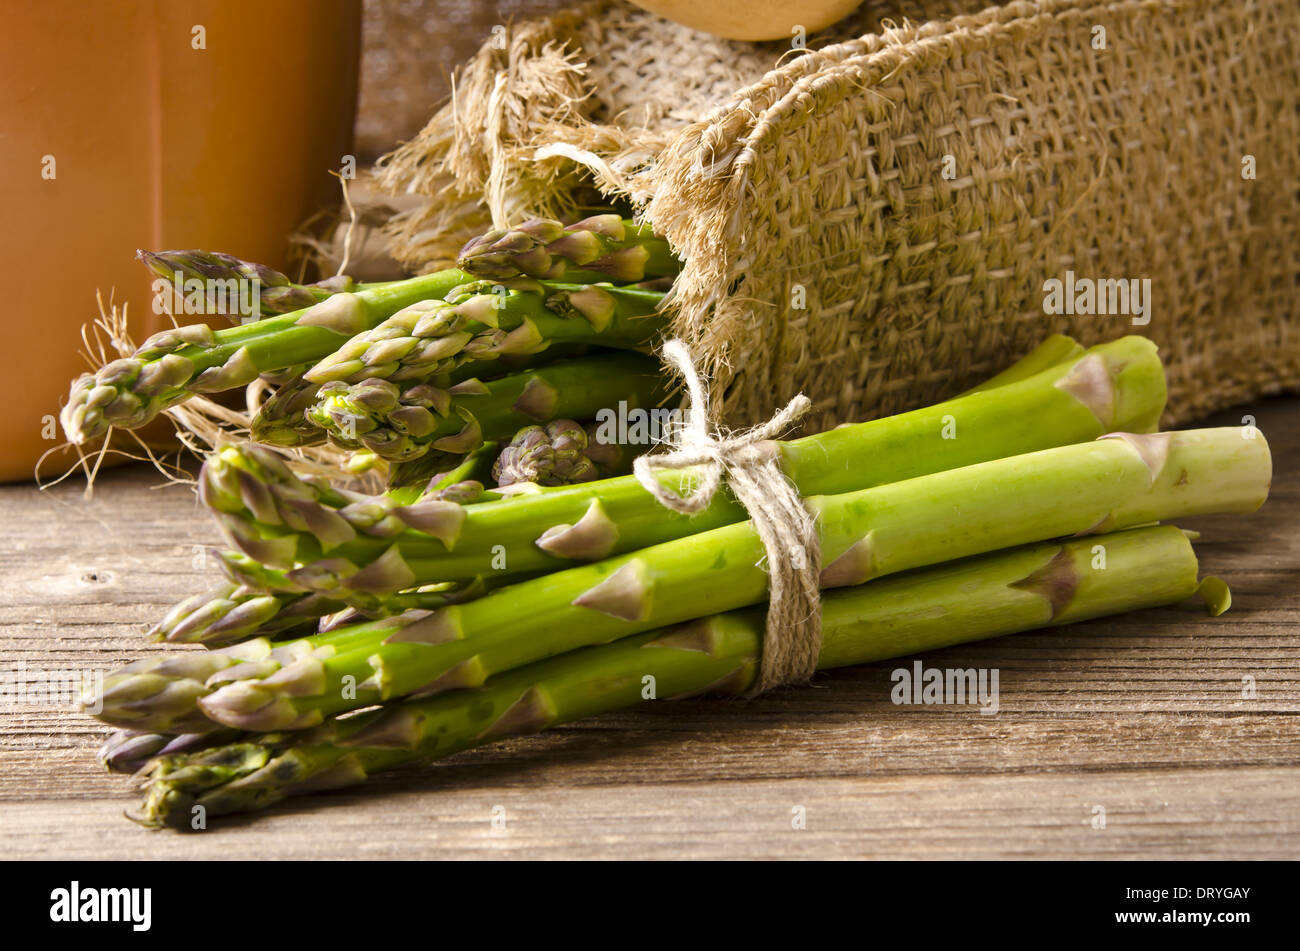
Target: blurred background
{"points": [[409, 48]]}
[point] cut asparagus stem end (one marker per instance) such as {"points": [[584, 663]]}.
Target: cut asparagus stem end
{"points": [[1216, 595]]}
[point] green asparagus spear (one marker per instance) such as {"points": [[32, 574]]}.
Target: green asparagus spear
{"points": [[234, 612], [402, 423], [209, 283], [563, 452], [986, 596], [1112, 483], [256, 599], [126, 751], [172, 366], [157, 694], [1115, 386], [474, 323], [282, 419], [427, 467], [606, 245], [249, 488]]}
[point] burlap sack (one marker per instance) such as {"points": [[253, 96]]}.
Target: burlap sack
{"points": [[873, 222]]}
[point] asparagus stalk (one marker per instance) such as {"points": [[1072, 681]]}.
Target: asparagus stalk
{"points": [[1115, 386], [267, 513], [459, 480], [172, 366], [402, 423], [604, 246], [372, 514], [127, 751], [475, 323], [987, 596], [282, 420], [1109, 484], [233, 612], [421, 470], [256, 599], [209, 283], [563, 452], [157, 694]]}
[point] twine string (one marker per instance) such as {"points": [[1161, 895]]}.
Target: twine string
{"points": [[748, 462]]}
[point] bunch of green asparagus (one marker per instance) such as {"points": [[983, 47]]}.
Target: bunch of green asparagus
{"points": [[542, 323], [511, 578]]}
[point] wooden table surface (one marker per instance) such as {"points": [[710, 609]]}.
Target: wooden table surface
{"points": [[1139, 720]]}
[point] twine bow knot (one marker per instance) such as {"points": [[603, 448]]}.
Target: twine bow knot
{"points": [[749, 463]]}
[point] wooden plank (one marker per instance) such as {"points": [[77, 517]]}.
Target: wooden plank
{"points": [[1145, 714], [1226, 813]]}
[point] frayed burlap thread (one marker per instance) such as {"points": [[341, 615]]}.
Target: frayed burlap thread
{"points": [[872, 221], [748, 462]]}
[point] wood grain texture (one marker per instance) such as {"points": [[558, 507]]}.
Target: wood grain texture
{"points": [[1142, 715]]}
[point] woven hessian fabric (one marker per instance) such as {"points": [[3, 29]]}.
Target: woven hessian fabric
{"points": [[826, 250]]}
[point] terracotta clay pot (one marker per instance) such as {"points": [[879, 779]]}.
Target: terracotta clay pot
{"points": [[127, 124]]}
